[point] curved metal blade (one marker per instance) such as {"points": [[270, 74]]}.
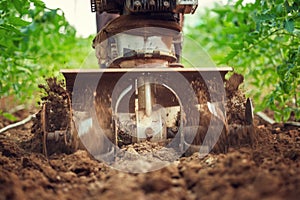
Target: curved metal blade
{"points": [[249, 112]]}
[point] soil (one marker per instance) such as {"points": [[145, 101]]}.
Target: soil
{"points": [[267, 167], [268, 170]]}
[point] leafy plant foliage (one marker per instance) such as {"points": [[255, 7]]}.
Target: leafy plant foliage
{"points": [[34, 42], [261, 40]]}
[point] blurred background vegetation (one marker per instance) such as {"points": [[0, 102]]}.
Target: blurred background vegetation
{"points": [[35, 42], [260, 40]]}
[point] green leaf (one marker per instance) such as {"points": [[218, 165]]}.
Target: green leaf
{"points": [[9, 116], [38, 3], [221, 10], [297, 113], [286, 114], [264, 17], [16, 21], [24, 69], [18, 5], [8, 27], [230, 56], [289, 25], [3, 44], [279, 9], [277, 116], [236, 46], [290, 2]]}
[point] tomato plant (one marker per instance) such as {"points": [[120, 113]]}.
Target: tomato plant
{"points": [[261, 40], [35, 42]]}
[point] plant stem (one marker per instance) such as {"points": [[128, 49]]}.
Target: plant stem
{"points": [[262, 39], [295, 94]]}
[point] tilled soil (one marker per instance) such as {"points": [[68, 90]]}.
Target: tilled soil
{"points": [[260, 165], [268, 170]]}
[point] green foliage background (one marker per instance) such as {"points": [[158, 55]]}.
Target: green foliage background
{"points": [[35, 42], [261, 40]]}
